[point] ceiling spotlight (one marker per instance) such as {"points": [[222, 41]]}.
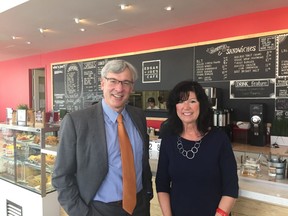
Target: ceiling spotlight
{"points": [[169, 8], [14, 37], [76, 20], [28, 42], [82, 29], [124, 6], [41, 30]]}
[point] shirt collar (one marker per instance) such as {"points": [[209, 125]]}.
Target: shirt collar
{"points": [[112, 114]]}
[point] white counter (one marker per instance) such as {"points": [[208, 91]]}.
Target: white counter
{"points": [[256, 189], [264, 191], [259, 189]]}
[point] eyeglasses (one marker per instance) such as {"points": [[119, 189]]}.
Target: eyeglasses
{"points": [[114, 82]]}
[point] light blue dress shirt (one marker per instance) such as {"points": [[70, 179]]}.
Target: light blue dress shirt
{"points": [[111, 188]]}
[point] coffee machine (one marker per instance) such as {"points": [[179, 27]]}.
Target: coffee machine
{"points": [[214, 96], [221, 117], [257, 130]]}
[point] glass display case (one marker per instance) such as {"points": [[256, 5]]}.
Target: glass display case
{"points": [[27, 156]]}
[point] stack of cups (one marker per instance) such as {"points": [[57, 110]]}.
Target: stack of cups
{"points": [[276, 169]]}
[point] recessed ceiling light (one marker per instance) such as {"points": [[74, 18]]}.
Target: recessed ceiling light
{"points": [[76, 20], [28, 42], [41, 30], [169, 8], [14, 37], [82, 29], [6, 5], [124, 6]]}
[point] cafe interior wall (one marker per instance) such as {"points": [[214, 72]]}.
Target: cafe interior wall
{"points": [[14, 73]]}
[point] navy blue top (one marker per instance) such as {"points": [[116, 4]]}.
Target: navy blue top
{"points": [[196, 186]]}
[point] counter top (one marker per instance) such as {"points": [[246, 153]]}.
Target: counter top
{"points": [[281, 151], [263, 190], [256, 189], [260, 188]]}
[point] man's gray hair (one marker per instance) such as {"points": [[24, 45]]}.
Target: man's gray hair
{"points": [[118, 66]]}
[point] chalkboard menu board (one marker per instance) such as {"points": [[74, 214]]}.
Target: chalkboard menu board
{"points": [[282, 87], [283, 55], [260, 88], [243, 59], [281, 104], [76, 85], [253, 68]]}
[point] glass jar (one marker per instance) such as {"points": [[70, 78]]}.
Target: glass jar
{"points": [[251, 168]]}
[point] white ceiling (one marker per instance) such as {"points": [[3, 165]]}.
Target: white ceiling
{"points": [[104, 21]]}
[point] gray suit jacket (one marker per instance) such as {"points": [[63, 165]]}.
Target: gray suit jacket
{"points": [[82, 159]]}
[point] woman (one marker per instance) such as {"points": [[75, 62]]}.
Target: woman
{"points": [[197, 171]]}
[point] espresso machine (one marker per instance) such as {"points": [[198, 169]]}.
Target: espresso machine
{"points": [[257, 130]]}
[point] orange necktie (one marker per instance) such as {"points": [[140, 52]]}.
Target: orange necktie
{"points": [[128, 168]]}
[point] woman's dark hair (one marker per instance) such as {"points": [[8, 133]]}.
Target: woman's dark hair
{"points": [[181, 93]]}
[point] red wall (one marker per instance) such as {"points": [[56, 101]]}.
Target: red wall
{"points": [[14, 74]]}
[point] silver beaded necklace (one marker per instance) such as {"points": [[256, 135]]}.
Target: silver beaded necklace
{"points": [[190, 154]]}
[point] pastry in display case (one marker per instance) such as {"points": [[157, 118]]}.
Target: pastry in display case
{"points": [[27, 156]]}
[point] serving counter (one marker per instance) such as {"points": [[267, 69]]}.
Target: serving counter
{"points": [[257, 196], [265, 191]]}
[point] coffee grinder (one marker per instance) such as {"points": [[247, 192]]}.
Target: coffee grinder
{"points": [[257, 130]]}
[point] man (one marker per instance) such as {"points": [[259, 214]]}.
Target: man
{"points": [[162, 103], [88, 168], [152, 103]]}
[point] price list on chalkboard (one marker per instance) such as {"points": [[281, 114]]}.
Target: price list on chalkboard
{"points": [[73, 86], [89, 76], [283, 55], [77, 85], [90, 82], [282, 87], [100, 65], [236, 60], [281, 102], [58, 87], [261, 88], [250, 68]]}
